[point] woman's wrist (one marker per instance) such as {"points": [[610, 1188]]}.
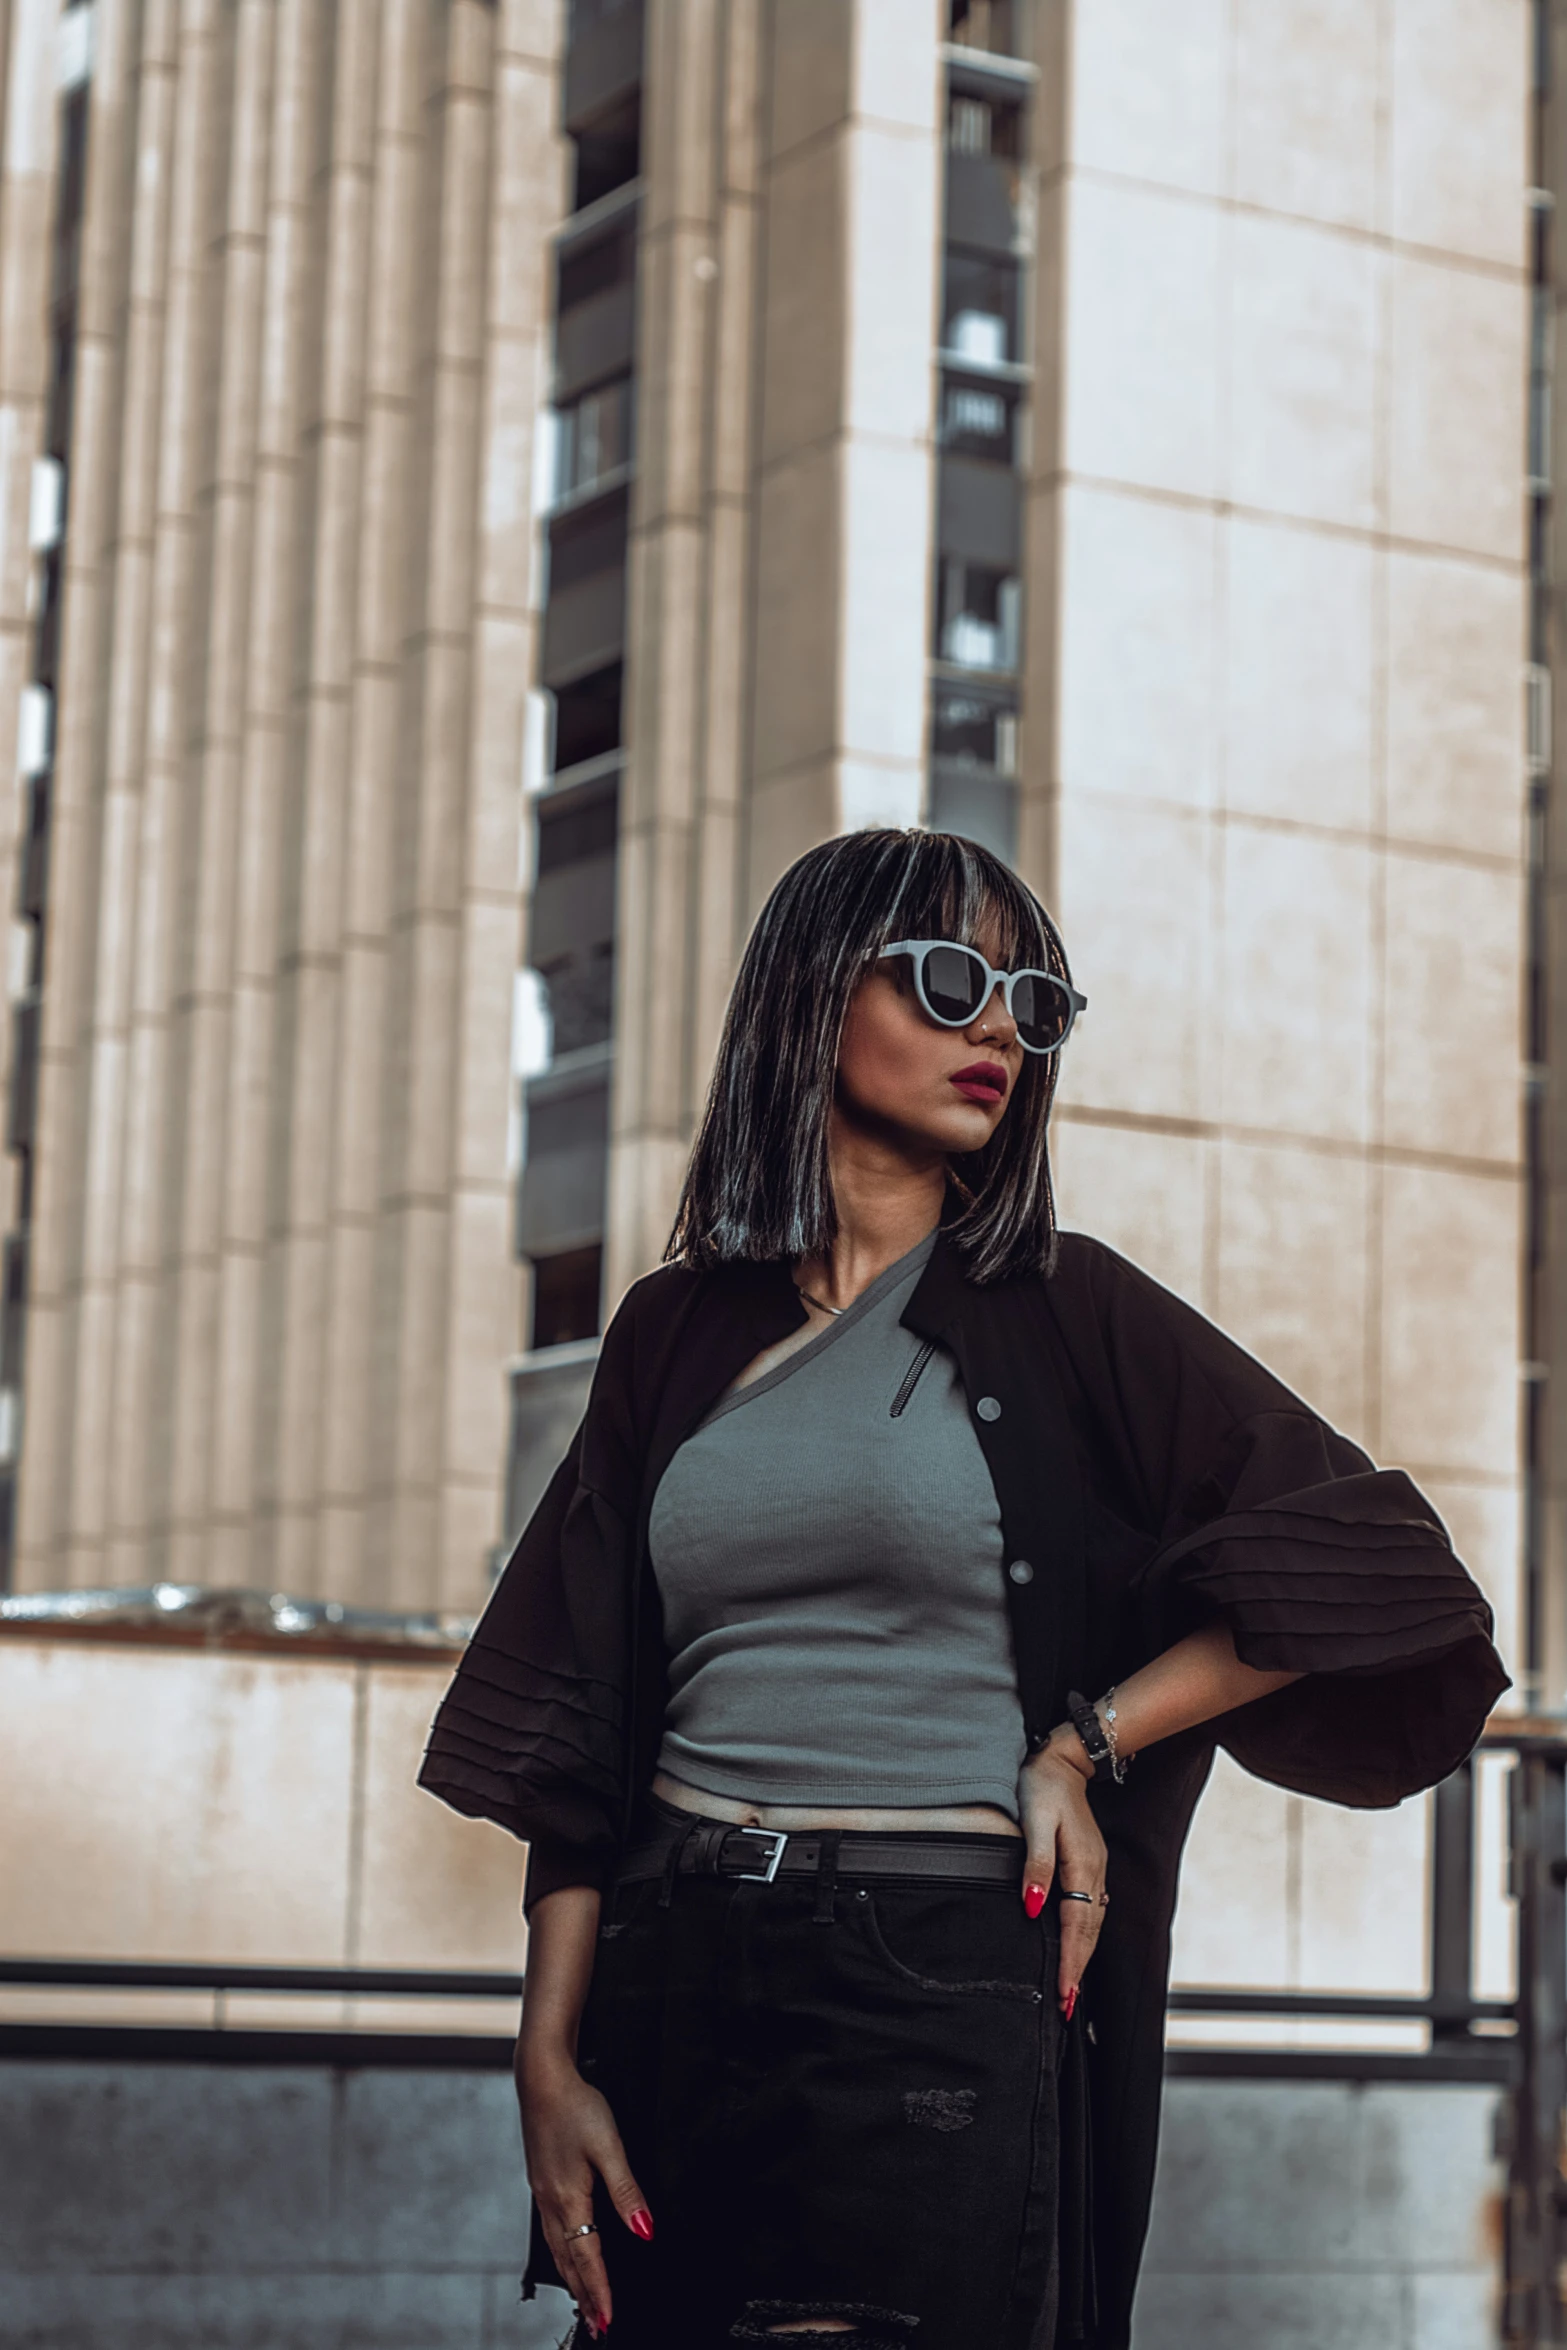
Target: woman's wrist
{"points": [[1065, 1746]]}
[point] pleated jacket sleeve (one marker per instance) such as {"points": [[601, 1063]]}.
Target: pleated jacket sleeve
{"points": [[1321, 1563]]}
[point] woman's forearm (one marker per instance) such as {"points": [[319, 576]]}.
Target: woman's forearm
{"points": [[1197, 1679], [562, 1933]]}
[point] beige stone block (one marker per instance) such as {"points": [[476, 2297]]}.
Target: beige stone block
{"points": [[1298, 683], [434, 999], [1306, 103], [469, 1527], [877, 792], [798, 526], [1150, 86], [1450, 1320], [1302, 371], [1140, 1191], [435, 1890], [891, 190], [790, 812], [897, 73], [885, 536], [194, 1806], [1296, 985], [809, 72], [482, 1040], [1233, 1921], [1134, 898], [1293, 1275], [478, 1338], [1140, 330], [1455, 462], [1452, 1059], [1486, 1524], [804, 326], [1456, 644], [1363, 1898], [1136, 659], [1459, 149]]}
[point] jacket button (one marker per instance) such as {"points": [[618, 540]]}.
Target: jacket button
{"points": [[1020, 1571], [988, 1408]]}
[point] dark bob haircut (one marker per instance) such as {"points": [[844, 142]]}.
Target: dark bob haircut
{"points": [[758, 1188]]}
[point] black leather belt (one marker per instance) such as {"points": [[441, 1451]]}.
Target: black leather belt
{"points": [[711, 1848]]}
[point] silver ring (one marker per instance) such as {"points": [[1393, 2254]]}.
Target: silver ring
{"points": [[587, 2229], [1075, 1896]]}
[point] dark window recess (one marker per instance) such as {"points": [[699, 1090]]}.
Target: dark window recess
{"points": [[977, 624], [566, 1296], [581, 825], [587, 719], [32, 878], [593, 437], [13, 1306], [984, 24], [977, 514], [608, 152], [977, 806], [571, 919], [596, 267], [51, 602], [581, 991], [970, 729], [22, 1105], [979, 420], [587, 542], [983, 126], [979, 310]]}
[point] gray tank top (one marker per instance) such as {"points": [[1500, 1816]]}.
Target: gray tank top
{"points": [[828, 1551]]}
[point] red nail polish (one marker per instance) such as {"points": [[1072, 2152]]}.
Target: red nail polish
{"points": [[642, 2223], [1033, 1899], [1071, 2002]]}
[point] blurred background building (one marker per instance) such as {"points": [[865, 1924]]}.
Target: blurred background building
{"points": [[483, 485]]}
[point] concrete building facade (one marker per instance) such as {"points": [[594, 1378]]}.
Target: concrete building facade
{"points": [[483, 485]]}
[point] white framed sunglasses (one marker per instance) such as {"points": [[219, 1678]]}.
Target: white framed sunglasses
{"points": [[954, 983]]}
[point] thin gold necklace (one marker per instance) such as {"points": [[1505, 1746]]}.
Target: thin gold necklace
{"points": [[821, 1305]]}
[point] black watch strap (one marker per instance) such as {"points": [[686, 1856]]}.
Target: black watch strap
{"points": [[1091, 1730]]}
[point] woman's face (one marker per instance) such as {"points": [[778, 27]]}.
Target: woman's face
{"points": [[931, 1092]]}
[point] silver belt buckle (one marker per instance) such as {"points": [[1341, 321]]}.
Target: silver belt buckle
{"points": [[766, 1875]]}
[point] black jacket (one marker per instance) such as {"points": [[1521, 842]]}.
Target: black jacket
{"points": [[1154, 1476]]}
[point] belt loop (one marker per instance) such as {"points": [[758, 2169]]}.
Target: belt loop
{"points": [[666, 1891], [824, 1914]]}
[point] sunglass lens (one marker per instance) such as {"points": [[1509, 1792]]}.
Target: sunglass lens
{"points": [[1041, 1008], [954, 983]]}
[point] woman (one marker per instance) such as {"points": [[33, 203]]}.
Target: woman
{"points": [[783, 1683]]}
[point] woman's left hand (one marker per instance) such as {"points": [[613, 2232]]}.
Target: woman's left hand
{"points": [[1065, 1847]]}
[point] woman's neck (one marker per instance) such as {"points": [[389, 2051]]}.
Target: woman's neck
{"points": [[886, 1204]]}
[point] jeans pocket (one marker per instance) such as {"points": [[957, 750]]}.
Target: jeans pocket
{"points": [[938, 1944]]}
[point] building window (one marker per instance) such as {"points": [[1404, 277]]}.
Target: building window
{"points": [[971, 729], [980, 126], [978, 420], [980, 309], [978, 624], [566, 1296], [593, 439], [984, 24]]}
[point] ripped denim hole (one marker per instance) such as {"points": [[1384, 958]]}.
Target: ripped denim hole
{"points": [[874, 2329], [939, 2109]]}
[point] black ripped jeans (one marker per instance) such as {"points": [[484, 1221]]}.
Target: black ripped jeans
{"points": [[839, 2100]]}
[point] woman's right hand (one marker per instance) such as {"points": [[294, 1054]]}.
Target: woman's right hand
{"points": [[568, 2136]]}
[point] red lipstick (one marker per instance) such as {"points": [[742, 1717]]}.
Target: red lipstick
{"points": [[984, 1082]]}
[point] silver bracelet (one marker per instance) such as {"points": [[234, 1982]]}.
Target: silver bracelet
{"points": [[1118, 1762]]}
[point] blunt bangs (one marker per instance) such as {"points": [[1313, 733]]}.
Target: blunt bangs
{"points": [[758, 1188]]}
